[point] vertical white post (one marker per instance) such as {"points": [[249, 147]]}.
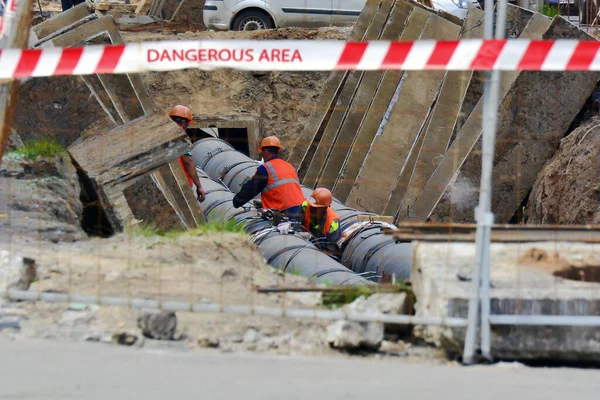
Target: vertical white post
{"points": [[483, 214]]}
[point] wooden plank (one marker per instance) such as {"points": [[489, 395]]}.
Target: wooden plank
{"points": [[62, 20], [387, 87], [143, 7], [342, 106], [15, 37], [390, 150], [361, 102], [436, 137], [467, 137], [113, 160], [533, 117], [301, 151]]}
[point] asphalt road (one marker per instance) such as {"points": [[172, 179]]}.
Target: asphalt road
{"points": [[84, 371]]}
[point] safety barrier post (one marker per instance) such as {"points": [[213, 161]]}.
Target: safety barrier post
{"points": [[483, 214], [14, 33]]}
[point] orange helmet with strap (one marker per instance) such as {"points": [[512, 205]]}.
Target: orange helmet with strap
{"points": [[270, 141], [182, 112], [320, 198]]}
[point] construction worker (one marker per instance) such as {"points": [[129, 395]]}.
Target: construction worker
{"points": [[276, 180], [321, 220], [182, 116]]}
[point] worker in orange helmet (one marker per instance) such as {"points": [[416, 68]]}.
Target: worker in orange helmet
{"points": [[276, 180], [321, 220], [182, 116]]}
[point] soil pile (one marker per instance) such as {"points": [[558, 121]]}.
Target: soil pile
{"points": [[567, 191]]}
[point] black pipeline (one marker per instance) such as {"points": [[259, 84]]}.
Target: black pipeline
{"points": [[291, 253], [365, 248]]}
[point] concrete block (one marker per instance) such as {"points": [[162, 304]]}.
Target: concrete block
{"points": [[465, 140], [525, 280], [532, 118], [390, 149], [62, 20], [112, 160], [342, 106], [304, 147], [360, 104], [385, 92], [434, 140]]}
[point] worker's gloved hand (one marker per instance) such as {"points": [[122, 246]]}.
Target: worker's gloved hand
{"points": [[201, 195]]}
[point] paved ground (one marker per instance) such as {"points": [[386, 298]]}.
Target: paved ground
{"points": [[84, 371]]}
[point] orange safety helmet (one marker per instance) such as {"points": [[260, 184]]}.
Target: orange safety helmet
{"points": [[182, 112], [270, 141], [320, 198]]}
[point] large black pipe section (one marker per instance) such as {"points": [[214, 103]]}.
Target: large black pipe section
{"points": [[290, 253], [365, 250]]}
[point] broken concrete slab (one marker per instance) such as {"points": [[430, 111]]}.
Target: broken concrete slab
{"points": [[342, 107], [436, 136], [348, 129], [149, 205], [525, 280], [468, 136], [390, 149], [113, 160], [385, 92], [62, 20], [526, 136], [301, 153]]}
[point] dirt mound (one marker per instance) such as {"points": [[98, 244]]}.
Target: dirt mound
{"points": [[567, 191], [40, 198], [332, 33]]}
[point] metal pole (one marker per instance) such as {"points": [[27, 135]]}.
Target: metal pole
{"points": [[17, 19], [489, 142], [483, 215]]}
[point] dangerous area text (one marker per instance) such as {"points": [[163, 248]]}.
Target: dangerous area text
{"points": [[224, 55]]}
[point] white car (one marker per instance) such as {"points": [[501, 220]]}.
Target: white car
{"points": [[249, 15]]}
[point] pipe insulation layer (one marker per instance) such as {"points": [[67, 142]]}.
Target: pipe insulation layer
{"points": [[291, 253], [365, 248]]}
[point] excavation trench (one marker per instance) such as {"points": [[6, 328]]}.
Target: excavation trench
{"points": [[366, 250]]}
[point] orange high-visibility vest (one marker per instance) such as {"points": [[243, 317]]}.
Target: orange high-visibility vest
{"points": [[283, 187], [189, 178], [331, 216]]}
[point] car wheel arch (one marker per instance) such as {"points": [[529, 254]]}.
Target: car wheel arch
{"points": [[251, 8]]}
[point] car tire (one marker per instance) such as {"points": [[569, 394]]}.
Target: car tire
{"points": [[252, 20]]}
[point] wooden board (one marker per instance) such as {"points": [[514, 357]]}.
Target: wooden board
{"points": [[467, 137], [435, 138], [348, 130], [390, 150], [385, 91], [301, 151], [342, 106]]}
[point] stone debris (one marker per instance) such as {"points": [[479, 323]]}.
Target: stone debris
{"points": [[17, 272], [124, 338], [160, 326], [350, 335]]}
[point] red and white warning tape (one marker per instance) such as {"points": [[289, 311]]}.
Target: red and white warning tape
{"points": [[292, 55]]}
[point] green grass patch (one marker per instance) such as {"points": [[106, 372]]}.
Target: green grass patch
{"points": [[550, 10], [214, 226], [45, 148], [219, 225], [335, 297]]}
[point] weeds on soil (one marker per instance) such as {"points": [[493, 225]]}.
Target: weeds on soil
{"points": [[549, 10], [45, 148], [213, 226]]}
